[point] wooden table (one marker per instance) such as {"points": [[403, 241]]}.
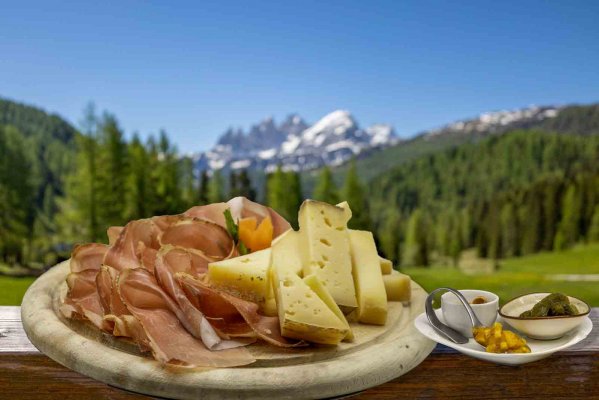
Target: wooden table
{"points": [[25, 373]]}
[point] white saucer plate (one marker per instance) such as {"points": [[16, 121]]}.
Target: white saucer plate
{"points": [[539, 348]]}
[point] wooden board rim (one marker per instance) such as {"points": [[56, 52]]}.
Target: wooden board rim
{"points": [[393, 356]]}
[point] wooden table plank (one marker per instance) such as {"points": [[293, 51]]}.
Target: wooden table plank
{"points": [[574, 373]]}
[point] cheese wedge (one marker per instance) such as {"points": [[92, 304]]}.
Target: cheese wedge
{"points": [[386, 266], [245, 276], [286, 251], [316, 285], [398, 286], [325, 248], [370, 288], [303, 314]]}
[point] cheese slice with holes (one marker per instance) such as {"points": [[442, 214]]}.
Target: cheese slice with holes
{"points": [[303, 314], [370, 287], [244, 276], [316, 285], [325, 247], [398, 286]]}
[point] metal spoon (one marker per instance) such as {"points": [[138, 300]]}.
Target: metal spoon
{"points": [[443, 329]]}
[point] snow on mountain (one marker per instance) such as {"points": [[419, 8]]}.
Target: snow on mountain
{"points": [[295, 145], [498, 121]]}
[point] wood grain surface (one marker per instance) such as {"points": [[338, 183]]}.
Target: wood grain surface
{"points": [[573, 374]]}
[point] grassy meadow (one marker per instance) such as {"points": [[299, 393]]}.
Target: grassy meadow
{"points": [[513, 277], [516, 276]]}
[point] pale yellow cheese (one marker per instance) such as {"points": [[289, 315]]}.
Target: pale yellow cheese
{"points": [[346, 209], [316, 285], [325, 249], [398, 286], [302, 313], [370, 288], [285, 256], [386, 266], [286, 251], [244, 276]]}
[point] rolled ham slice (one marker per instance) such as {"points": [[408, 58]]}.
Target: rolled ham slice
{"points": [[167, 337]]}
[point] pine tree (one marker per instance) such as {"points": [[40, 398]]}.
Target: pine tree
{"points": [[79, 218], [568, 230], [215, 188], [276, 192], [509, 230], [137, 181], [325, 189], [168, 189], [244, 186], [593, 235], [188, 184], [16, 195], [353, 193], [390, 235], [416, 246], [203, 188], [529, 219], [111, 189], [294, 197]]}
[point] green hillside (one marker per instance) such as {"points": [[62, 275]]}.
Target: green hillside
{"points": [[513, 194], [578, 120], [37, 152]]}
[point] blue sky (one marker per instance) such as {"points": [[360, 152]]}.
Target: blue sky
{"points": [[195, 68]]}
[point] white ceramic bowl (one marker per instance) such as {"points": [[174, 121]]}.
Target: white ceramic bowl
{"points": [[455, 314], [542, 328]]}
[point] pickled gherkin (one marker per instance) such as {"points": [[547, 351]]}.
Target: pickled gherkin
{"points": [[553, 305]]}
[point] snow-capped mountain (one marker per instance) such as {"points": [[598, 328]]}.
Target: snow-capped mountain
{"points": [[295, 145], [497, 121]]}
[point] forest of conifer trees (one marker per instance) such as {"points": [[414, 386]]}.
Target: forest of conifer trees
{"points": [[508, 195]]}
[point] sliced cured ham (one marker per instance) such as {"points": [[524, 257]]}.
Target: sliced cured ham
{"points": [[229, 313], [83, 300], [167, 337], [214, 212], [136, 236], [202, 235], [116, 315], [172, 260], [113, 233], [87, 256]]}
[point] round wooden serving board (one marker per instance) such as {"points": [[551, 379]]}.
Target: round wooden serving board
{"points": [[378, 355]]}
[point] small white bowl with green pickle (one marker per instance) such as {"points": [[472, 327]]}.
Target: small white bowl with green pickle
{"points": [[547, 327]]}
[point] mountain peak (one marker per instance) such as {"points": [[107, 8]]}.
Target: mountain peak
{"points": [[295, 145]]}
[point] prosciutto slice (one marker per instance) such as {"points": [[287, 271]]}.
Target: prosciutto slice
{"points": [[137, 236], [204, 236], [214, 212], [167, 338], [171, 260], [113, 233], [83, 300], [229, 313]]}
